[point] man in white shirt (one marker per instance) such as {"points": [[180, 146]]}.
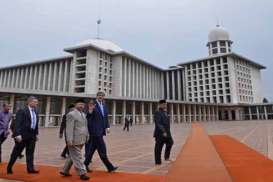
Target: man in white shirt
{"points": [[25, 135]]}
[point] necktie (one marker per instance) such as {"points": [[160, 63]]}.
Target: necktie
{"points": [[101, 108], [34, 119]]}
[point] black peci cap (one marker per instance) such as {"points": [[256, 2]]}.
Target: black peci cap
{"points": [[163, 101], [71, 106], [79, 101]]}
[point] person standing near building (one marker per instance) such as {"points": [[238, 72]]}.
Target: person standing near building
{"points": [[98, 126], [162, 133], [25, 135], [76, 136], [62, 130], [126, 124], [5, 118]]}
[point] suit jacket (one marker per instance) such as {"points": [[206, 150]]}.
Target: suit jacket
{"points": [[22, 125], [63, 125], [76, 128], [162, 124], [97, 122]]}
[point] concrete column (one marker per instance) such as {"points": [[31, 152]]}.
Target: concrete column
{"points": [[194, 113], [205, 113], [142, 113], [179, 84], [39, 77], [209, 113], [22, 75], [47, 114], [63, 105], [250, 113], [134, 112], [217, 113], [213, 113], [35, 82], [54, 76], [171, 113], [65, 76], [60, 82], [133, 79], [229, 115], [265, 113], [114, 108], [199, 113], [50, 77], [11, 102], [178, 113], [184, 113], [44, 77], [151, 112], [190, 113], [123, 111], [30, 78], [173, 86], [168, 85], [237, 115], [25, 76], [257, 112]]}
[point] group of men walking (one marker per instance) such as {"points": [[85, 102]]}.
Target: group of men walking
{"points": [[82, 126], [86, 128]]}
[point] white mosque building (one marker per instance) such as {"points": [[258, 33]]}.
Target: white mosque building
{"points": [[222, 86]]}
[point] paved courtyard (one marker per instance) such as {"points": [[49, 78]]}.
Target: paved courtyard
{"points": [[133, 151]]}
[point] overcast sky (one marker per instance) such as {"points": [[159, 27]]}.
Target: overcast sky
{"points": [[163, 32]]}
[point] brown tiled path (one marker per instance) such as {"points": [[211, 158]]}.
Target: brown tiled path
{"points": [[198, 161], [242, 162]]}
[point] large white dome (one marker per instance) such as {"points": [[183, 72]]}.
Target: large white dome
{"points": [[218, 33], [102, 44]]}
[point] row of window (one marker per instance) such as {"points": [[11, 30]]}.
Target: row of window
{"points": [[211, 100], [206, 63]]}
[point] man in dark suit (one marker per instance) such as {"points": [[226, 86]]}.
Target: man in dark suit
{"points": [[162, 133], [25, 135], [98, 125], [126, 124], [65, 151]]}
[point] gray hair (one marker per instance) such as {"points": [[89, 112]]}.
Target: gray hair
{"points": [[100, 93], [31, 98]]}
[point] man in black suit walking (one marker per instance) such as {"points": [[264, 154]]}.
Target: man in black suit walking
{"points": [[25, 135], [162, 133], [98, 126], [65, 151]]}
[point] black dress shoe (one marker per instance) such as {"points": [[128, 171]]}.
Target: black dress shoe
{"points": [[63, 156], [33, 171], [113, 170], [84, 177], [21, 156], [65, 174], [9, 171], [88, 169]]}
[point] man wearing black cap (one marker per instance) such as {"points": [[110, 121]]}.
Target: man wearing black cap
{"points": [[162, 133]]}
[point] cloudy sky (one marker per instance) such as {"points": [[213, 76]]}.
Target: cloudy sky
{"points": [[163, 32]]}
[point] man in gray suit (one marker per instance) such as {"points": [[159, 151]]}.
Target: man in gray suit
{"points": [[76, 136]]}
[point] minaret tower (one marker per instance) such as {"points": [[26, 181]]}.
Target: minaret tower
{"points": [[219, 41]]}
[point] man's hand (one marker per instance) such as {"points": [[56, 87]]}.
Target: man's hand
{"points": [[18, 139], [61, 136], [108, 130], [165, 134]]}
